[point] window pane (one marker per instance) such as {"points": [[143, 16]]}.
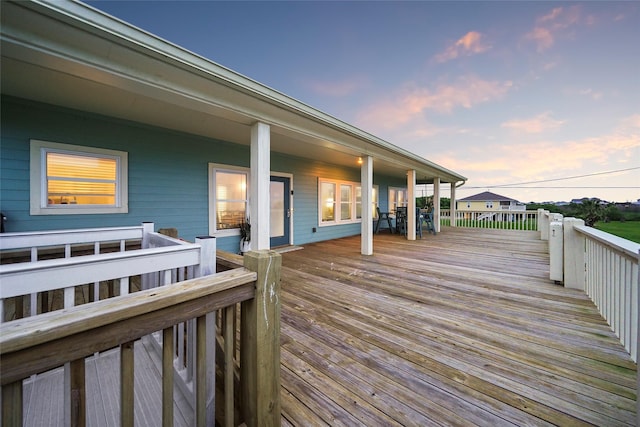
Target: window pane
{"points": [[230, 214], [328, 200], [80, 180], [231, 199], [345, 202], [358, 202], [277, 215], [231, 185]]}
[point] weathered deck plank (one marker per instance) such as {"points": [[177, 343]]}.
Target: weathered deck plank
{"points": [[44, 403], [459, 328]]}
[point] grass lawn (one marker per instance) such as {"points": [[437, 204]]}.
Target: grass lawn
{"points": [[629, 230]]}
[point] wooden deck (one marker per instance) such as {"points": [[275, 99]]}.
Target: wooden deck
{"points": [[461, 328]]}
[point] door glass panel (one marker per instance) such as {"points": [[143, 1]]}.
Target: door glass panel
{"points": [[277, 209]]}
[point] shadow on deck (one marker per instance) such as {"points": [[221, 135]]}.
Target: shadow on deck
{"points": [[460, 328]]}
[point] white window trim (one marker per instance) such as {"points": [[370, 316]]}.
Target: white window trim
{"points": [[337, 210], [213, 167], [38, 194], [396, 189]]}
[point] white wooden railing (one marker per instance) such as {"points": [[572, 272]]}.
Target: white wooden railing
{"points": [[66, 337], [604, 266], [157, 260], [496, 219]]}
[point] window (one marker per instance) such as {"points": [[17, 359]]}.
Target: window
{"points": [[328, 201], [70, 179], [228, 198], [397, 198], [346, 201], [374, 202], [340, 202]]}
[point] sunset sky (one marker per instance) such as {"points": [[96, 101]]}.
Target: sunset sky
{"points": [[502, 92]]}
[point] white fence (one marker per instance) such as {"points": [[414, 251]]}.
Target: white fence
{"points": [[87, 258], [496, 219], [604, 266]]}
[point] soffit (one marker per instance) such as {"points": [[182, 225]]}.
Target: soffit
{"points": [[53, 58]]}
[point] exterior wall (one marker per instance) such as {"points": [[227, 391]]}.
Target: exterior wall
{"points": [[168, 174], [476, 205]]}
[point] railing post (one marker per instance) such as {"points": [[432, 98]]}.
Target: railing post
{"points": [[637, 280], [207, 255], [147, 228], [260, 342], [574, 247], [543, 224], [556, 237], [207, 267]]}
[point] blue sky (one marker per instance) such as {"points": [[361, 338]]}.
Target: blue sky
{"points": [[501, 92]]}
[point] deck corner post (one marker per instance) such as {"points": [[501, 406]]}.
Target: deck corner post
{"points": [[543, 224], [574, 247], [556, 249], [207, 255], [260, 342]]}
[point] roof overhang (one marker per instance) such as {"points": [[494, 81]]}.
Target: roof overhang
{"points": [[72, 55]]}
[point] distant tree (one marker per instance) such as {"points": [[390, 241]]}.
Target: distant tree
{"points": [[612, 213], [445, 203], [590, 210]]}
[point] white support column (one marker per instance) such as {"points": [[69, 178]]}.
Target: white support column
{"points": [[366, 181], [452, 205], [574, 247], [411, 205], [259, 209], [436, 203]]}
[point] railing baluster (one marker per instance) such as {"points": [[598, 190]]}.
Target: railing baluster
{"points": [[229, 340], [126, 384], [201, 371], [77, 393], [167, 377], [12, 404]]}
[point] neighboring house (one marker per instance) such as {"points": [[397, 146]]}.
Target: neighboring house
{"points": [[489, 201], [107, 125]]}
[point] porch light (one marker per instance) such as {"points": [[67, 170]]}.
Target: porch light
{"points": [[359, 160]]}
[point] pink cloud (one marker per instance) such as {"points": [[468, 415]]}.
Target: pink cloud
{"points": [[470, 44], [410, 103], [555, 23], [540, 123]]}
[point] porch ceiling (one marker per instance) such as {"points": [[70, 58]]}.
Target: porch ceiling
{"points": [[73, 56]]}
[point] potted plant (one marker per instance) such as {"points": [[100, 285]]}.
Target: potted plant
{"points": [[245, 236]]}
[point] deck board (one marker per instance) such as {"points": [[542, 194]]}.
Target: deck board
{"points": [[460, 328], [103, 394]]}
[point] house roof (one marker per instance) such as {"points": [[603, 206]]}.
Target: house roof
{"points": [[69, 54], [487, 196]]}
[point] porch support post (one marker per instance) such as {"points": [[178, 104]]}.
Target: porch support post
{"points": [[436, 203], [259, 204], [366, 226], [452, 205], [411, 204]]}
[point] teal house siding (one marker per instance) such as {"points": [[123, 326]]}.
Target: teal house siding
{"points": [[168, 174]]}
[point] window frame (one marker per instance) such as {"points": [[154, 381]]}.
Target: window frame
{"points": [[38, 175], [218, 167], [394, 199], [353, 203]]}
